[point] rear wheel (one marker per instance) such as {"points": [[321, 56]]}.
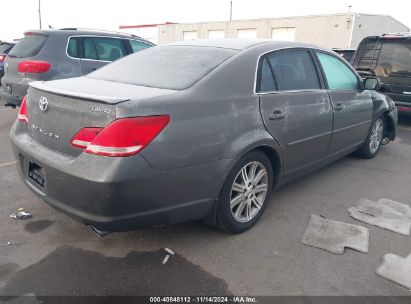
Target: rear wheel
{"points": [[374, 139], [245, 193]]}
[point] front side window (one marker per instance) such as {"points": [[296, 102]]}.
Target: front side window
{"points": [[137, 46], [339, 76], [294, 70]]}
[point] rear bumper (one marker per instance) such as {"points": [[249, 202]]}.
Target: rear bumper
{"points": [[119, 194]]}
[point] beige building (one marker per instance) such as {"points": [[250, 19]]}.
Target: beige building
{"points": [[331, 31]]}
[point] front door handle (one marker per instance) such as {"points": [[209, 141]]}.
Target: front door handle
{"points": [[277, 114], [338, 107]]}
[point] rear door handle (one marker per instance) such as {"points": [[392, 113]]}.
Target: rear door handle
{"points": [[339, 107], [277, 114]]}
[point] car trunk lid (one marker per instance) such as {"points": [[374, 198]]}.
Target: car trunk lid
{"points": [[74, 104]]}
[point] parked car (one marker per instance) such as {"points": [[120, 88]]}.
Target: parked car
{"points": [[347, 54], [56, 54], [5, 48], [389, 58], [200, 129]]}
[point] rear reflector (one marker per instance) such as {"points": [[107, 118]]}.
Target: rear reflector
{"points": [[122, 137], [2, 57], [23, 115], [34, 67], [402, 109]]}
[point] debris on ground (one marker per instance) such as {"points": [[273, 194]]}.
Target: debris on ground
{"points": [[166, 259], [21, 214], [169, 251], [396, 269], [385, 213], [334, 236]]}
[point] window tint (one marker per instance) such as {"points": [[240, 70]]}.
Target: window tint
{"points": [[29, 46], [394, 59], [73, 47], [109, 49], [294, 70], [266, 79], [167, 67], [338, 75], [89, 49], [138, 45]]}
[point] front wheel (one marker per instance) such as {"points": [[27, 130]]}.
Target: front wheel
{"points": [[245, 193], [373, 143]]}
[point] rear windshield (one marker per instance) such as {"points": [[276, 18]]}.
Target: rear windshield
{"points": [[4, 47], [29, 46], [165, 67]]}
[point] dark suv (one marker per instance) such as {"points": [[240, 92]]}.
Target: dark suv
{"points": [[56, 54], [5, 48], [389, 58]]}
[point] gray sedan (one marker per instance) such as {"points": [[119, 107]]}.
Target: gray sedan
{"points": [[194, 130]]}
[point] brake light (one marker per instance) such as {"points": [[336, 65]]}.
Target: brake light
{"points": [[34, 67], [122, 137], [2, 57], [23, 115]]}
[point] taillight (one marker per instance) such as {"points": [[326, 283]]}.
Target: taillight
{"points": [[34, 67], [2, 57], [122, 137], [23, 115]]}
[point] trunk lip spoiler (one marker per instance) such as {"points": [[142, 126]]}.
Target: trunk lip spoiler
{"points": [[82, 96]]}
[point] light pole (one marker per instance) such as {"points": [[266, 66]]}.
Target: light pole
{"points": [[231, 10], [40, 13]]}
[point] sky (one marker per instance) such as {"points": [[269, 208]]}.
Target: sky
{"points": [[18, 16]]}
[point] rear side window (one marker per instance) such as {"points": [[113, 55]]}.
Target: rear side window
{"points": [[266, 81], [394, 59], [339, 76], [138, 45], [89, 49], [294, 70], [109, 49], [29, 46], [73, 47]]}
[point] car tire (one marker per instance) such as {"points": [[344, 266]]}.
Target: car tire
{"points": [[245, 193], [375, 136]]}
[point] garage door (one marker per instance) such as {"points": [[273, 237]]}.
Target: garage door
{"points": [[247, 34], [216, 34], [190, 35], [283, 33]]}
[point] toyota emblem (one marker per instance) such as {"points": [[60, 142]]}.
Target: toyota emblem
{"points": [[43, 103]]}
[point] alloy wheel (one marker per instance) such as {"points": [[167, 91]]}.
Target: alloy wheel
{"points": [[376, 136], [249, 191]]}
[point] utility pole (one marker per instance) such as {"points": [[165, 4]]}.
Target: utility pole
{"points": [[231, 10], [40, 13]]}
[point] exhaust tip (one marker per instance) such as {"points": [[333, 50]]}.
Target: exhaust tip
{"points": [[100, 233]]}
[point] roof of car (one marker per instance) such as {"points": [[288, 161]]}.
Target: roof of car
{"points": [[239, 44], [79, 31]]}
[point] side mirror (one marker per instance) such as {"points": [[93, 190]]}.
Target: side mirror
{"points": [[372, 83]]}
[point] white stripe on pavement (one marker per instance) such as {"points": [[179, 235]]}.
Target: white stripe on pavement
{"points": [[7, 164]]}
